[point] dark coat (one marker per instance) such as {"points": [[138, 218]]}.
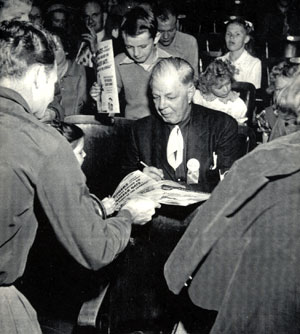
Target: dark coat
{"points": [[208, 131], [242, 247]]}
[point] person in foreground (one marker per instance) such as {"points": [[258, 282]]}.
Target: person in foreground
{"points": [[242, 247], [38, 169], [183, 142]]}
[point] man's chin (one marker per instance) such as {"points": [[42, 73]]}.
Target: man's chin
{"points": [[165, 43]]}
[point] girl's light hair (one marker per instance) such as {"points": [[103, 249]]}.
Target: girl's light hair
{"points": [[216, 71]]}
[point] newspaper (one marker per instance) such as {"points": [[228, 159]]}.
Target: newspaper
{"points": [[106, 78], [164, 191]]}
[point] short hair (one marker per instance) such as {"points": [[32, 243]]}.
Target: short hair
{"points": [[138, 21], [215, 72], [70, 131], [23, 45], [167, 65], [98, 2], [10, 3], [164, 9]]}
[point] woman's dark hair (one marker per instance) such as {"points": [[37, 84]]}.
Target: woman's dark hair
{"points": [[23, 45], [139, 20], [70, 131]]}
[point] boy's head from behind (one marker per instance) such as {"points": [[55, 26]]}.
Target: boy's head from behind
{"points": [[217, 78], [140, 35], [75, 136]]}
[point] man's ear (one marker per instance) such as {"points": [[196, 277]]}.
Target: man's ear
{"points": [[39, 76], [191, 92], [156, 38]]}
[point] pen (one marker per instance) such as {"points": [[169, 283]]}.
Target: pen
{"points": [[153, 172], [143, 164]]}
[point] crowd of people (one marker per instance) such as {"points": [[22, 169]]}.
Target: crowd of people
{"points": [[239, 256]]}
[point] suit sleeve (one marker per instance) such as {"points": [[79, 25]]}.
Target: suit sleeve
{"points": [[131, 158], [65, 198], [227, 148]]}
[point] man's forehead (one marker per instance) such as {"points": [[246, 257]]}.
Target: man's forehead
{"points": [[166, 81], [92, 7], [141, 39], [170, 21]]}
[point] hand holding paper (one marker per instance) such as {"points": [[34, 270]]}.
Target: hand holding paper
{"points": [[109, 204], [162, 191], [141, 208], [95, 91]]}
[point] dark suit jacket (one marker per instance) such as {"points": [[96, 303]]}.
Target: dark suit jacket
{"points": [[208, 131], [242, 246]]}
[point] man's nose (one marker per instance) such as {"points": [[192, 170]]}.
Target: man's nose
{"points": [[136, 52], [165, 35], [162, 103], [89, 21]]}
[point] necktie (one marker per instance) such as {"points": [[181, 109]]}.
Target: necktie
{"points": [[175, 148]]}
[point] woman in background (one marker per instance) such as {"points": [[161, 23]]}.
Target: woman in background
{"points": [[238, 41]]}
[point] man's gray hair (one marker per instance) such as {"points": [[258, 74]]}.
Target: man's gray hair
{"points": [[167, 65]]}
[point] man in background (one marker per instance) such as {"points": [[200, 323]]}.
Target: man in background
{"points": [[176, 43], [93, 20]]}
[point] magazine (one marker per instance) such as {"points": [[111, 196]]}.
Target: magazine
{"points": [[164, 191], [106, 78]]}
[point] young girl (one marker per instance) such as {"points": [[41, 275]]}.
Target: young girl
{"points": [[75, 136], [237, 38], [214, 90]]}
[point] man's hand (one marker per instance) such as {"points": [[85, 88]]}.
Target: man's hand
{"points": [[49, 116], [154, 173], [109, 204], [141, 208], [95, 91], [91, 38]]}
